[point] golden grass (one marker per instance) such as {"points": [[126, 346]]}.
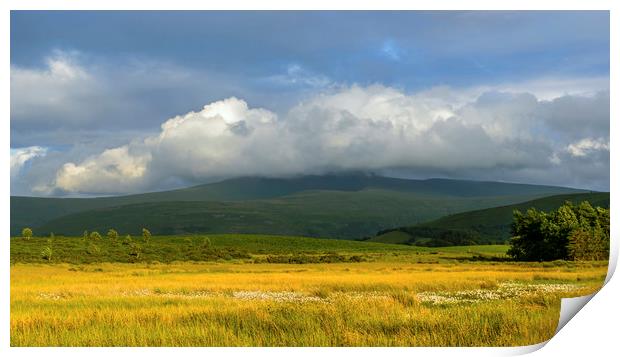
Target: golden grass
{"points": [[227, 304]]}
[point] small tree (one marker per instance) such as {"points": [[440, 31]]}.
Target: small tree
{"points": [[95, 236], [112, 235], [135, 251], [46, 252], [146, 235], [27, 233]]}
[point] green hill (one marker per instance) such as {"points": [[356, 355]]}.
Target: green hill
{"points": [[343, 206], [490, 225]]}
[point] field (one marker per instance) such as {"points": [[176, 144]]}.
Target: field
{"points": [[235, 290]]}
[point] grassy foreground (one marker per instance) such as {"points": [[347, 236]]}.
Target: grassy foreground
{"points": [[416, 297]]}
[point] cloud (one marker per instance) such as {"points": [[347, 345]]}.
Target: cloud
{"points": [[549, 88], [76, 98], [499, 135], [56, 90], [217, 139], [298, 76], [118, 168], [20, 156], [586, 146]]}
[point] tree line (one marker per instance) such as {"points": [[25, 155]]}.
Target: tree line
{"points": [[91, 239], [572, 232]]}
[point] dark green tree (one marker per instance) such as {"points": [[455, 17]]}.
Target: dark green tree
{"points": [[570, 232]]}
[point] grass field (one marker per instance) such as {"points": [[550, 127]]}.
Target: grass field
{"points": [[234, 247], [393, 295]]}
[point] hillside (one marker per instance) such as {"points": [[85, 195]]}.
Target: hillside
{"points": [[490, 225], [343, 206]]}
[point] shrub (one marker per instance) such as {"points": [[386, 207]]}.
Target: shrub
{"points": [[46, 253], [112, 235], [27, 233], [356, 259], [135, 251], [146, 234], [127, 240], [95, 236], [93, 249]]}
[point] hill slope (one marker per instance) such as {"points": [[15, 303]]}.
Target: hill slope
{"points": [[480, 226], [346, 206]]}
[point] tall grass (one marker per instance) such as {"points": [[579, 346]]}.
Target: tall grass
{"points": [[231, 304]]}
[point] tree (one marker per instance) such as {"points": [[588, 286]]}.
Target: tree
{"points": [[112, 235], [584, 245], [27, 233], [135, 250], [46, 252], [146, 234], [95, 236], [570, 232]]}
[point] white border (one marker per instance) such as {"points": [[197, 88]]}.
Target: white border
{"points": [[591, 331]]}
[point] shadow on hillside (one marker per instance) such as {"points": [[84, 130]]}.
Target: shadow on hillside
{"points": [[481, 258]]}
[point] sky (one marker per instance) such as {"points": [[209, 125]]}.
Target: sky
{"points": [[112, 102]]}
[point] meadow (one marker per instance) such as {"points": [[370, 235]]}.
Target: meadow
{"points": [[245, 290]]}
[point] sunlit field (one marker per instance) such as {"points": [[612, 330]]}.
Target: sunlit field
{"points": [[389, 296]]}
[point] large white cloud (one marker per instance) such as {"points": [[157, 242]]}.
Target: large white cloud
{"points": [[494, 134]]}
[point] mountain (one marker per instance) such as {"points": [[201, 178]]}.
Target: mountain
{"points": [[490, 225], [343, 206]]}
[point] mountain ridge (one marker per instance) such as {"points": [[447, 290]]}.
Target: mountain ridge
{"points": [[449, 196]]}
